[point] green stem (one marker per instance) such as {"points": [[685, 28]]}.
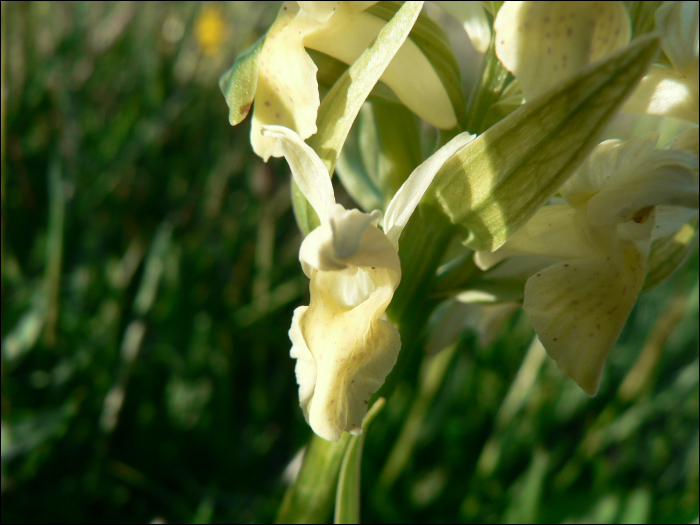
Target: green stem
{"points": [[493, 80], [310, 498]]}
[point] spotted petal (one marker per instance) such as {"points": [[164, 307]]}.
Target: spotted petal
{"points": [[578, 309], [543, 43]]}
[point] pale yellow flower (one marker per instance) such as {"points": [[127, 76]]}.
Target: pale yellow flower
{"points": [[624, 194], [342, 341]]}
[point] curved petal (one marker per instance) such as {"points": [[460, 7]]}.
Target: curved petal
{"points": [[410, 74], [670, 219], [305, 368], [578, 309], [473, 17], [619, 179], [319, 250], [663, 92], [348, 227], [411, 192], [543, 43], [687, 141], [353, 350], [677, 24], [662, 177], [554, 231], [287, 90], [307, 168], [322, 11]]}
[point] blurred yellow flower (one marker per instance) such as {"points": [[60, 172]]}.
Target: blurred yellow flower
{"points": [[209, 29]]}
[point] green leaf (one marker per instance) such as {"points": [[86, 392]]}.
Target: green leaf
{"points": [[433, 42], [496, 184], [669, 253], [347, 500], [240, 82]]}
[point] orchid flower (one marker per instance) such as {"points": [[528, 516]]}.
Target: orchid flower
{"points": [[672, 91], [342, 341], [624, 194], [287, 89]]}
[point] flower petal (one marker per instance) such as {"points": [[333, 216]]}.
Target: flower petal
{"points": [[287, 90], [543, 43], [473, 17], [322, 11], [607, 163], [353, 350], [667, 177], [687, 141], [410, 75], [621, 179], [663, 92], [307, 168], [578, 309], [554, 231], [305, 368], [671, 218], [350, 239], [677, 23], [411, 192]]}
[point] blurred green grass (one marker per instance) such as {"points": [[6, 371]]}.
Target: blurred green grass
{"points": [[149, 276]]}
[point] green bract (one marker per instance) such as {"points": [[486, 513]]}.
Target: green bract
{"points": [[501, 179]]}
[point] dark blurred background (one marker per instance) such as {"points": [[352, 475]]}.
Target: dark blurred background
{"points": [[149, 274]]}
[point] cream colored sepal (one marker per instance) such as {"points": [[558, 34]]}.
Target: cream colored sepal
{"points": [[343, 352]]}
